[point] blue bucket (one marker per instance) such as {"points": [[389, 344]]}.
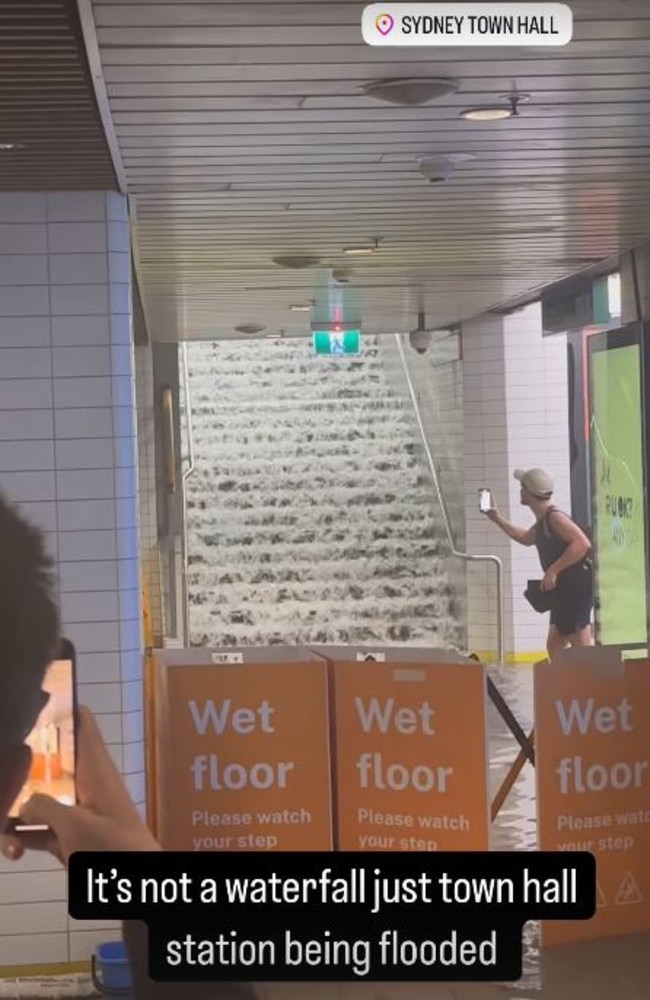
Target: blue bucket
{"points": [[111, 971]]}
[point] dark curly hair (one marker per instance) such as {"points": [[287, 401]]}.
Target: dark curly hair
{"points": [[29, 618]]}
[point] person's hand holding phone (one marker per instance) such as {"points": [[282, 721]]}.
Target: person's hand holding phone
{"points": [[487, 505], [105, 818]]}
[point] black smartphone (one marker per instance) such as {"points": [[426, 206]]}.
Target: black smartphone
{"points": [[53, 741], [484, 501]]}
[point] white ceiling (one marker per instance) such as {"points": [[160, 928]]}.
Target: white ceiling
{"points": [[244, 135]]}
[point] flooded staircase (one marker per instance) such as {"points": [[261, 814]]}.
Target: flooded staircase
{"points": [[311, 514]]}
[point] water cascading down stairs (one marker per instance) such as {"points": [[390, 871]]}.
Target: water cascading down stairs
{"points": [[311, 516]]}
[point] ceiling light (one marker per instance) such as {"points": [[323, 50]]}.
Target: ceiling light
{"points": [[410, 92], [361, 251], [250, 329], [300, 307], [296, 262], [494, 114], [6, 146], [497, 112]]}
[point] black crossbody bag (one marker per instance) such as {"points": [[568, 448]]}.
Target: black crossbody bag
{"points": [[543, 601]]}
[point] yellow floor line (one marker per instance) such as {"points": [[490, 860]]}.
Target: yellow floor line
{"points": [[512, 659], [31, 971]]}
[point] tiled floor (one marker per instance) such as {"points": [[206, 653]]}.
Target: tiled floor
{"points": [[78, 987]]}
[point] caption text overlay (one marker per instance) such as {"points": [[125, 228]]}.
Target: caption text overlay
{"points": [[334, 917]]}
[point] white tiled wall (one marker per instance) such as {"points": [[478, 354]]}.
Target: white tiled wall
{"points": [[437, 379], [516, 416], [538, 437], [486, 466], [68, 457]]}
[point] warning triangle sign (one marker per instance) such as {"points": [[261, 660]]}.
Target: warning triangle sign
{"points": [[629, 891], [601, 899]]}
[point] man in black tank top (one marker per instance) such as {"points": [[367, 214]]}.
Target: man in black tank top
{"points": [[564, 553]]}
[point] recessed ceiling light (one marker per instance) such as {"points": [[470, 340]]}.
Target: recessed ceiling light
{"points": [[358, 251], [300, 307], [495, 114], [6, 146], [363, 249]]}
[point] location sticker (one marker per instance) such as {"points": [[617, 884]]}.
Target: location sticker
{"points": [[467, 24], [384, 23]]}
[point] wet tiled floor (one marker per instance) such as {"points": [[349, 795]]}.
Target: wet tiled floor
{"points": [[606, 970]]}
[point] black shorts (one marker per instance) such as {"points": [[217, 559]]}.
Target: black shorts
{"points": [[574, 600]]}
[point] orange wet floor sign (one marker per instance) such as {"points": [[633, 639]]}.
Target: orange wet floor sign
{"points": [[411, 757], [243, 758], [593, 786]]}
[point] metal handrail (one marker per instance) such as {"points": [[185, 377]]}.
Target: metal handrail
{"points": [[184, 478], [457, 553]]}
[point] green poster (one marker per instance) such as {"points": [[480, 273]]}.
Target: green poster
{"points": [[619, 514]]}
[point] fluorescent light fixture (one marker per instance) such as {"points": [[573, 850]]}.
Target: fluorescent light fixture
{"points": [[300, 307], [491, 114], [361, 251], [497, 112], [7, 146]]}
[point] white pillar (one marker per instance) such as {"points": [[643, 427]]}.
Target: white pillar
{"points": [[68, 458], [629, 305]]}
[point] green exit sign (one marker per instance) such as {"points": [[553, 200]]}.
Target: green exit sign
{"points": [[337, 342]]}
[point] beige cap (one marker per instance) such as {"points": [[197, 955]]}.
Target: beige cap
{"points": [[537, 482]]}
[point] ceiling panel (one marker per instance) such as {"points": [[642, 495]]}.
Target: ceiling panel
{"points": [[245, 133], [51, 134]]}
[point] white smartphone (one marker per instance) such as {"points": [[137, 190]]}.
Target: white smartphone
{"points": [[484, 501]]}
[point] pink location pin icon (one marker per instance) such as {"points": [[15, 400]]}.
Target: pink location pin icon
{"points": [[384, 24]]}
